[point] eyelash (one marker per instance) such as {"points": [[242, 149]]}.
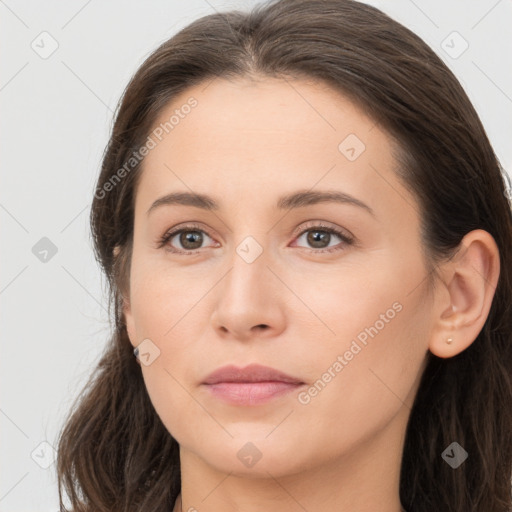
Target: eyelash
{"points": [[165, 239]]}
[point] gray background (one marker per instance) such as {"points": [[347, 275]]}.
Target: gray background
{"points": [[56, 116]]}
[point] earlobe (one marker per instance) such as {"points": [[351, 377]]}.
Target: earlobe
{"points": [[465, 296]]}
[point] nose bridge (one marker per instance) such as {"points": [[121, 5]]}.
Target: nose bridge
{"points": [[251, 243], [249, 266]]}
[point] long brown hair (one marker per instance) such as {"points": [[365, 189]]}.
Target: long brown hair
{"points": [[114, 453]]}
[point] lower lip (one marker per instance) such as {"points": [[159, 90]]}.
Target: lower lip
{"points": [[250, 393]]}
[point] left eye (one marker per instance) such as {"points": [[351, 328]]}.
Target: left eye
{"points": [[318, 236], [191, 239]]}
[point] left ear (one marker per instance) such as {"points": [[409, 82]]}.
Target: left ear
{"points": [[463, 299]]}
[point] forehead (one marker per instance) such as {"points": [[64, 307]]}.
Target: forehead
{"points": [[242, 136], [269, 110]]}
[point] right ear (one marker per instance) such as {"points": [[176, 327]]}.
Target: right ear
{"points": [[126, 310], [130, 324]]}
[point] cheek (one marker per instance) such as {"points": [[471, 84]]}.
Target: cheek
{"points": [[162, 309], [339, 303], [375, 317], [162, 298], [361, 381]]}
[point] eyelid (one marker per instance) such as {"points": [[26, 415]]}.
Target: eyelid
{"points": [[311, 224]]}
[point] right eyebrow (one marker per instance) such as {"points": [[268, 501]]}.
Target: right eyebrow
{"points": [[186, 199]]}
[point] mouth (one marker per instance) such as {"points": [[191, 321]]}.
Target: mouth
{"points": [[252, 385]]}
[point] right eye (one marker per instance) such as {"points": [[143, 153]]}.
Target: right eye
{"points": [[188, 236]]}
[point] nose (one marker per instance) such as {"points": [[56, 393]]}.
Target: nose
{"points": [[249, 299]]}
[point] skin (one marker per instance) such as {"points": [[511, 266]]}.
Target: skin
{"points": [[247, 143]]}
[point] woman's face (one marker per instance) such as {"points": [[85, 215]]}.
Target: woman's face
{"points": [[267, 282]]}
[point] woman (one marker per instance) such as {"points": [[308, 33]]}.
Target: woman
{"points": [[308, 243]]}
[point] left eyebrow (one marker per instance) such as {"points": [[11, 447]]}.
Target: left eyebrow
{"points": [[299, 199], [306, 198]]}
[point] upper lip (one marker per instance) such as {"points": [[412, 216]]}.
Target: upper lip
{"points": [[251, 373]]}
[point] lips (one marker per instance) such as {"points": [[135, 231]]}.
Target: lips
{"points": [[251, 373], [253, 385]]}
